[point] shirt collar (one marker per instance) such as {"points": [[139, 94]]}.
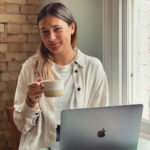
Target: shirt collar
{"points": [[80, 58]]}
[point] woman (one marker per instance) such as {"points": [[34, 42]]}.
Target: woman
{"points": [[37, 116]]}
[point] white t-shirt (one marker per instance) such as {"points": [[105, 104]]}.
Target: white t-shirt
{"points": [[67, 101]]}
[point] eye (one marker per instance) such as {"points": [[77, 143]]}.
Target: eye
{"points": [[57, 29], [44, 32]]}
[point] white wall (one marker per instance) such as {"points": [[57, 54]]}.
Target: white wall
{"points": [[141, 53], [88, 14]]}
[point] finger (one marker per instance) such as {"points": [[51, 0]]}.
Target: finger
{"points": [[38, 88], [35, 91], [34, 85], [39, 79]]}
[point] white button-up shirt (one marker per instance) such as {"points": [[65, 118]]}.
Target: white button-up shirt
{"points": [[38, 126]]}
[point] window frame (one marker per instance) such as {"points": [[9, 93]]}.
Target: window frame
{"points": [[112, 48]]}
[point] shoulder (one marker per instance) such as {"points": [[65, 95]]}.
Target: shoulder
{"points": [[28, 70], [30, 62], [91, 61], [91, 64], [94, 66], [28, 73]]}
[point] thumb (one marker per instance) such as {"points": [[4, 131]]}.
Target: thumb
{"points": [[39, 79]]}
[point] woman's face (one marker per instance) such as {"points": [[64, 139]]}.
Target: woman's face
{"points": [[56, 34]]}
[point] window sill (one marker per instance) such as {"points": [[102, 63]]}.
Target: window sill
{"points": [[143, 144]]}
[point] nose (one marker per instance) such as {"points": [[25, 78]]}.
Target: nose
{"points": [[52, 36]]}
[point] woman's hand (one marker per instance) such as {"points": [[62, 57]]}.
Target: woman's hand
{"points": [[34, 94]]}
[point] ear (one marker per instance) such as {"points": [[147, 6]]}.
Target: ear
{"points": [[72, 26]]}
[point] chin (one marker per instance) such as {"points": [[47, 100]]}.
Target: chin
{"points": [[55, 50]]}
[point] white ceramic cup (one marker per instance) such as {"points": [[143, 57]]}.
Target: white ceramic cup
{"points": [[53, 88]]}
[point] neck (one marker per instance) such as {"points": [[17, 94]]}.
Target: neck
{"points": [[64, 58]]}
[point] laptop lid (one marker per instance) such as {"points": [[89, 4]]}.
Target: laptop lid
{"points": [[102, 128]]}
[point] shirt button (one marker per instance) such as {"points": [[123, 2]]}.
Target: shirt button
{"points": [[76, 71], [78, 88]]}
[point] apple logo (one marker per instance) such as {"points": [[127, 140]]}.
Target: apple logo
{"points": [[101, 133]]}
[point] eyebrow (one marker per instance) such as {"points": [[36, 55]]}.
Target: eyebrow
{"points": [[43, 28]]}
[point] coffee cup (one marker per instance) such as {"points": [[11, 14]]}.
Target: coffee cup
{"points": [[53, 88]]}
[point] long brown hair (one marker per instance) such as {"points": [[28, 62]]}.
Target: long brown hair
{"points": [[44, 60]]}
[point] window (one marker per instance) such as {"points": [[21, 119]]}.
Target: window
{"points": [[140, 66], [140, 58], [126, 63]]}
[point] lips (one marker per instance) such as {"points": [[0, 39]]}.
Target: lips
{"points": [[53, 45]]}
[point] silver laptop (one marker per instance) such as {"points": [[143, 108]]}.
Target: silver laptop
{"points": [[102, 128]]}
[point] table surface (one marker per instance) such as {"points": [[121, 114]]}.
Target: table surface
{"points": [[143, 144]]}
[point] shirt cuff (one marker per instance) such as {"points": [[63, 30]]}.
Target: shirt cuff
{"points": [[29, 112]]}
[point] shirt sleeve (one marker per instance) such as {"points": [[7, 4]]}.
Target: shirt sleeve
{"points": [[25, 117], [99, 90]]}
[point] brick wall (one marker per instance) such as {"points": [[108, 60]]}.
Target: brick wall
{"points": [[18, 40], [142, 55]]}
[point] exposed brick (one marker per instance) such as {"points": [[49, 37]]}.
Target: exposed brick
{"points": [[8, 137], [14, 1], [2, 28], [2, 8], [34, 38], [32, 19], [8, 76], [1, 118], [3, 143], [17, 38], [13, 28], [3, 47], [12, 18], [12, 86], [142, 57], [7, 134], [29, 9], [12, 8], [15, 47], [30, 47], [14, 66], [3, 125], [13, 38], [33, 1], [3, 106], [30, 28], [10, 102], [9, 143], [7, 95], [3, 86], [3, 37], [1, 133], [7, 57], [3, 67], [31, 53]]}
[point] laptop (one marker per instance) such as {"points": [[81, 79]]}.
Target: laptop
{"points": [[101, 128]]}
